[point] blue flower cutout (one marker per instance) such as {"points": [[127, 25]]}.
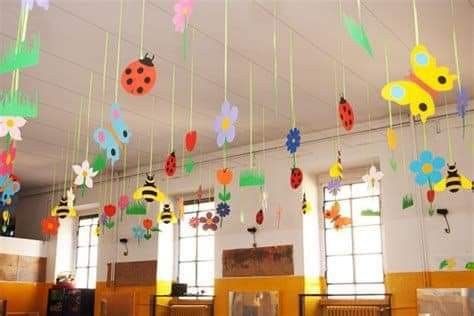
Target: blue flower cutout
{"points": [[334, 186], [138, 232], [293, 140], [223, 209], [462, 102], [427, 168]]}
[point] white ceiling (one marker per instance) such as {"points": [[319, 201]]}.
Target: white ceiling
{"points": [[72, 40]]}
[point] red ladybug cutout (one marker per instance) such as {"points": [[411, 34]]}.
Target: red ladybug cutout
{"points": [[170, 164], [139, 76], [346, 114], [259, 217], [190, 140], [296, 178]]}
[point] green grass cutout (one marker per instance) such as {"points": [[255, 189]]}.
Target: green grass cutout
{"points": [[100, 162], [251, 178], [27, 55], [17, 104], [136, 208], [369, 212], [407, 201]]}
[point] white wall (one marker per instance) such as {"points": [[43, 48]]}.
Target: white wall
{"points": [[23, 247]]}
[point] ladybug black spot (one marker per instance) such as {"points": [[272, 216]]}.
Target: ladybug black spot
{"points": [[349, 123], [442, 79], [342, 117], [349, 112], [112, 152], [128, 71], [423, 107], [140, 70], [140, 90], [129, 81], [147, 80]]}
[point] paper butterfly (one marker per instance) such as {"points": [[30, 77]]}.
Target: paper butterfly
{"points": [[421, 86], [109, 140], [334, 215], [9, 186]]}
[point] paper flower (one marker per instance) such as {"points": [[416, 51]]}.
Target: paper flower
{"points": [[110, 210], [50, 225], [138, 232], [334, 186], [28, 4], [11, 125], [147, 223], [224, 125], [194, 222], [223, 209], [182, 11], [427, 168], [293, 140], [224, 176], [7, 158], [123, 202], [372, 178], [84, 174], [210, 222], [462, 102], [71, 197]]}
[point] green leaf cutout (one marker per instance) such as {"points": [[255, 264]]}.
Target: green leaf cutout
{"points": [[100, 162], [357, 32], [189, 165]]}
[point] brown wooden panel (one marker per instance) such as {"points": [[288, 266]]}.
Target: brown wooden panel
{"points": [[263, 261], [8, 267], [132, 273], [31, 269]]}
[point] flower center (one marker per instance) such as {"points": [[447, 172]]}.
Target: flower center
{"points": [[427, 168], [10, 123], [84, 173], [225, 124]]}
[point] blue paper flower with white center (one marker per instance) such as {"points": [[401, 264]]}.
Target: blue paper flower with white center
{"points": [[293, 140], [223, 209]]}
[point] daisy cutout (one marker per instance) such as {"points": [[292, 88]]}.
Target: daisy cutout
{"points": [[11, 125], [372, 178], [84, 174]]}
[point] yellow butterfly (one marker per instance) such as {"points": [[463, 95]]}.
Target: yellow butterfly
{"points": [[422, 85]]}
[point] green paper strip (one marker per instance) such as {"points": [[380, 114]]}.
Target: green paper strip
{"points": [[136, 208], [369, 212], [24, 56], [100, 162], [357, 32], [16, 104], [251, 178]]}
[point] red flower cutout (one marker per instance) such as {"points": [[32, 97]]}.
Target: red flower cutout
{"points": [[147, 223], [50, 225], [110, 210], [190, 140], [7, 158], [210, 222]]}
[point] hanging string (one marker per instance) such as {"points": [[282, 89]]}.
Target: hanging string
{"points": [[53, 190], [415, 21], [142, 27], [138, 165], [111, 182], [336, 91], [448, 128], [74, 137], [387, 79], [455, 46], [264, 158], [341, 44], [404, 161], [425, 140], [124, 171], [152, 134], [104, 78], [23, 37], [275, 58], [173, 86], [226, 44], [292, 87], [191, 89], [89, 102], [66, 165], [359, 11], [251, 113], [79, 124], [117, 66]]}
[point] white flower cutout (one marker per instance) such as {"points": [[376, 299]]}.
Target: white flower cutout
{"points": [[84, 174], [70, 197], [11, 125], [372, 178]]}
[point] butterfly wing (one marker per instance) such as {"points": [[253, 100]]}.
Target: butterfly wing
{"points": [[424, 67], [108, 143], [118, 124], [405, 92], [341, 221]]}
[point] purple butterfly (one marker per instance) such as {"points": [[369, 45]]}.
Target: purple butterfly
{"points": [[462, 102], [28, 4]]}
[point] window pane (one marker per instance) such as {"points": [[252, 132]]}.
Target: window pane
{"points": [[370, 289], [85, 222], [208, 206], [92, 278], [206, 290], [94, 239], [344, 193], [339, 269], [345, 210], [341, 288], [187, 273], [369, 268], [83, 236], [367, 239], [187, 249], [361, 189], [206, 273], [362, 204], [82, 257], [93, 257], [81, 278], [338, 242], [185, 230], [206, 248]]}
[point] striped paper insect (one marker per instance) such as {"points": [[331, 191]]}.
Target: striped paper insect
{"points": [[454, 181]]}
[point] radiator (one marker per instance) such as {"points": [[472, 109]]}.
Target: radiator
{"points": [[352, 311], [189, 310]]}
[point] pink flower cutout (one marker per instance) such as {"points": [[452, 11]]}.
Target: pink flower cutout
{"points": [[7, 158], [194, 222], [210, 222], [182, 11]]}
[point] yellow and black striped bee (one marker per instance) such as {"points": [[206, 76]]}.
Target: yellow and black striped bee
{"points": [[454, 181], [306, 206], [167, 216], [64, 209], [149, 192]]}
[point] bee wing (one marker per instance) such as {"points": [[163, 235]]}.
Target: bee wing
{"points": [[119, 125], [161, 197], [72, 212], [54, 211], [137, 195], [440, 186], [336, 170], [108, 143], [466, 183]]}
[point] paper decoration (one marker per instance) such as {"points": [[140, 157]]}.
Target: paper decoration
{"points": [[170, 165], [84, 174], [14, 103], [7, 159], [28, 4], [334, 186], [336, 218], [346, 114], [49, 226], [393, 164], [447, 264], [139, 76], [167, 216], [100, 162], [9, 185], [251, 178], [372, 178], [109, 140], [419, 89], [336, 169], [224, 125], [189, 165], [369, 212], [296, 177], [63, 209], [259, 217], [182, 11], [194, 222], [358, 34], [209, 221], [109, 211], [123, 202], [149, 191], [430, 196], [71, 197], [10, 125], [5, 221], [190, 140], [293, 140], [407, 201], [462, 102], [427, 168], [20, 55], [305, 205], [469, 266], [199, 193], [138, 232], [453, 181], [148, 225], [392, 139], [136, 208], [224, 176], [223, 209]]}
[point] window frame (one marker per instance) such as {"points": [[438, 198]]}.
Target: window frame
{"points": [[352, 254], [89, 246]]}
